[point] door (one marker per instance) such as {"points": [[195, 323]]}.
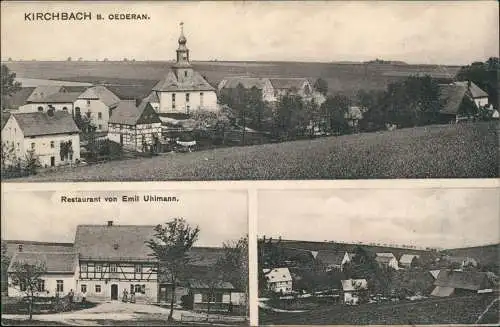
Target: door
{"points": [[52, 161], [163, 294], [114, 292]]}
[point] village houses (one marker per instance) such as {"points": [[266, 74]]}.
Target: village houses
{"points": [[107, 260], [184, 90], [57, 97], [450, 282], [136, 128], [352, 289], [52, 136], [408, 260], [334, 260]]}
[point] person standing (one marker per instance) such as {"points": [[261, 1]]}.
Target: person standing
{"points": [[71, 295]]}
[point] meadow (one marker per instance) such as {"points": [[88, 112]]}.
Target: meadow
{"points": [[468, 150]]}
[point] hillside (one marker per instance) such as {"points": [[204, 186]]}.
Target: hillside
{"points": [[467, 150], [345, 78], [488, 254]]}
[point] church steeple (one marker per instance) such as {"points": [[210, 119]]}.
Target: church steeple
{"points": [[182, 50]]}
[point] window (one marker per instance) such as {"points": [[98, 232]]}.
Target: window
{"points": [[173, 96], [100, 126], [98, 268], [65, 109], [214, 297], [187, 109], [51, 144], [22, 286], [98, 288], [112, 268], [88, 102], [59, 286], [33, 145], [84, 267], [83, 288], [185, 72], [77, 111], [88, 114], [99, 115], [201, 98], [40, 285], [137, 288], [40, 109], [138, 269], [187, 97]]}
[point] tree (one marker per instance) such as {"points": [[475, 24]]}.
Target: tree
{"points": [[9, 84], [170, 246], [5, 266], [321, 86], [8, 155], [289, 117], [28, 277], [234, 263], [335, 109], [31, 162]]}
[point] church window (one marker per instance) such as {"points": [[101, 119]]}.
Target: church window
{"points": [[185, 73], [187, 97], [40, 109]]}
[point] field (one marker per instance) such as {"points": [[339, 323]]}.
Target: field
{"points": [[345, 78], [487, 254], [452, 310], [441, 151]]}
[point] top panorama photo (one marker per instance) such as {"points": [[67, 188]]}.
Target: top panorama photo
{"points": [[251, 96]]}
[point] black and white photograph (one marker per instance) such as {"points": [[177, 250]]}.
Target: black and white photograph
{"points": [[250, 90], [379, 256], [124, 258]]}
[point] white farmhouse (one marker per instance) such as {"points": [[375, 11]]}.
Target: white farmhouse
{"points": [[183, 89], [387, 260], [97, 103], [279, 280], [262, 84], [46, 134], [352, 289], [59, 278], [408, 260], [136, 128]]}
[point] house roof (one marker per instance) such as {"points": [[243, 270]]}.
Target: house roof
{"points": [[34, 246], [18, 98], [385, 255], [122, 242], [43, 91], [246, 82], [76, 88], [202, 284], [354, 284], [408, 258], [330, 257], [4, 116], [469, 280], [128, 113], [41, 123], [474, 90], [100, 92], [278, 275], [170, 83], [451, 97], [288, 83], [54, 262], [442, 291], [60, 97], [152, 97]]}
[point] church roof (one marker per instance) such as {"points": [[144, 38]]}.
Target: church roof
{"points": [[170, 83]]}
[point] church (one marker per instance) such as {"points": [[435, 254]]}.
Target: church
{"points": [[183, 90]]}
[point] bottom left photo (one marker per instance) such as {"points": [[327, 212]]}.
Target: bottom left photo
{"points": [[125, 258]]}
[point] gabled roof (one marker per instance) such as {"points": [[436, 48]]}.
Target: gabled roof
{"points": [[152, 97], [246, 82], [349, 285], [469, 280], [127, 113], [278, 275], [474, 90], [60, 97], [170, 83], [19, 98], [43, 91], [451, 97], [4, 116], [288, 83], [100, 92], [34, 246], [122, 242], [202, 284], [408, 258], [76, 88], [41, 123], [330, 257], [54, 262]]}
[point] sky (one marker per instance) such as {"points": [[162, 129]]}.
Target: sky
{"points": [[40, 215], [443, 218], [444, 32]]}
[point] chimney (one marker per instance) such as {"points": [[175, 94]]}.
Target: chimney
{"points": [[110, 223]]}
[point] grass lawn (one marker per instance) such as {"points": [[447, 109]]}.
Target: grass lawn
{"points": [[452, 310], [468, 150]]}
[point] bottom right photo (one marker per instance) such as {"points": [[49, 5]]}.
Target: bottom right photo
{"points": [[401, 256]]}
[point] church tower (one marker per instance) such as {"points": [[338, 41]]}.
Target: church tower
{"points": [[182, 68]]}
